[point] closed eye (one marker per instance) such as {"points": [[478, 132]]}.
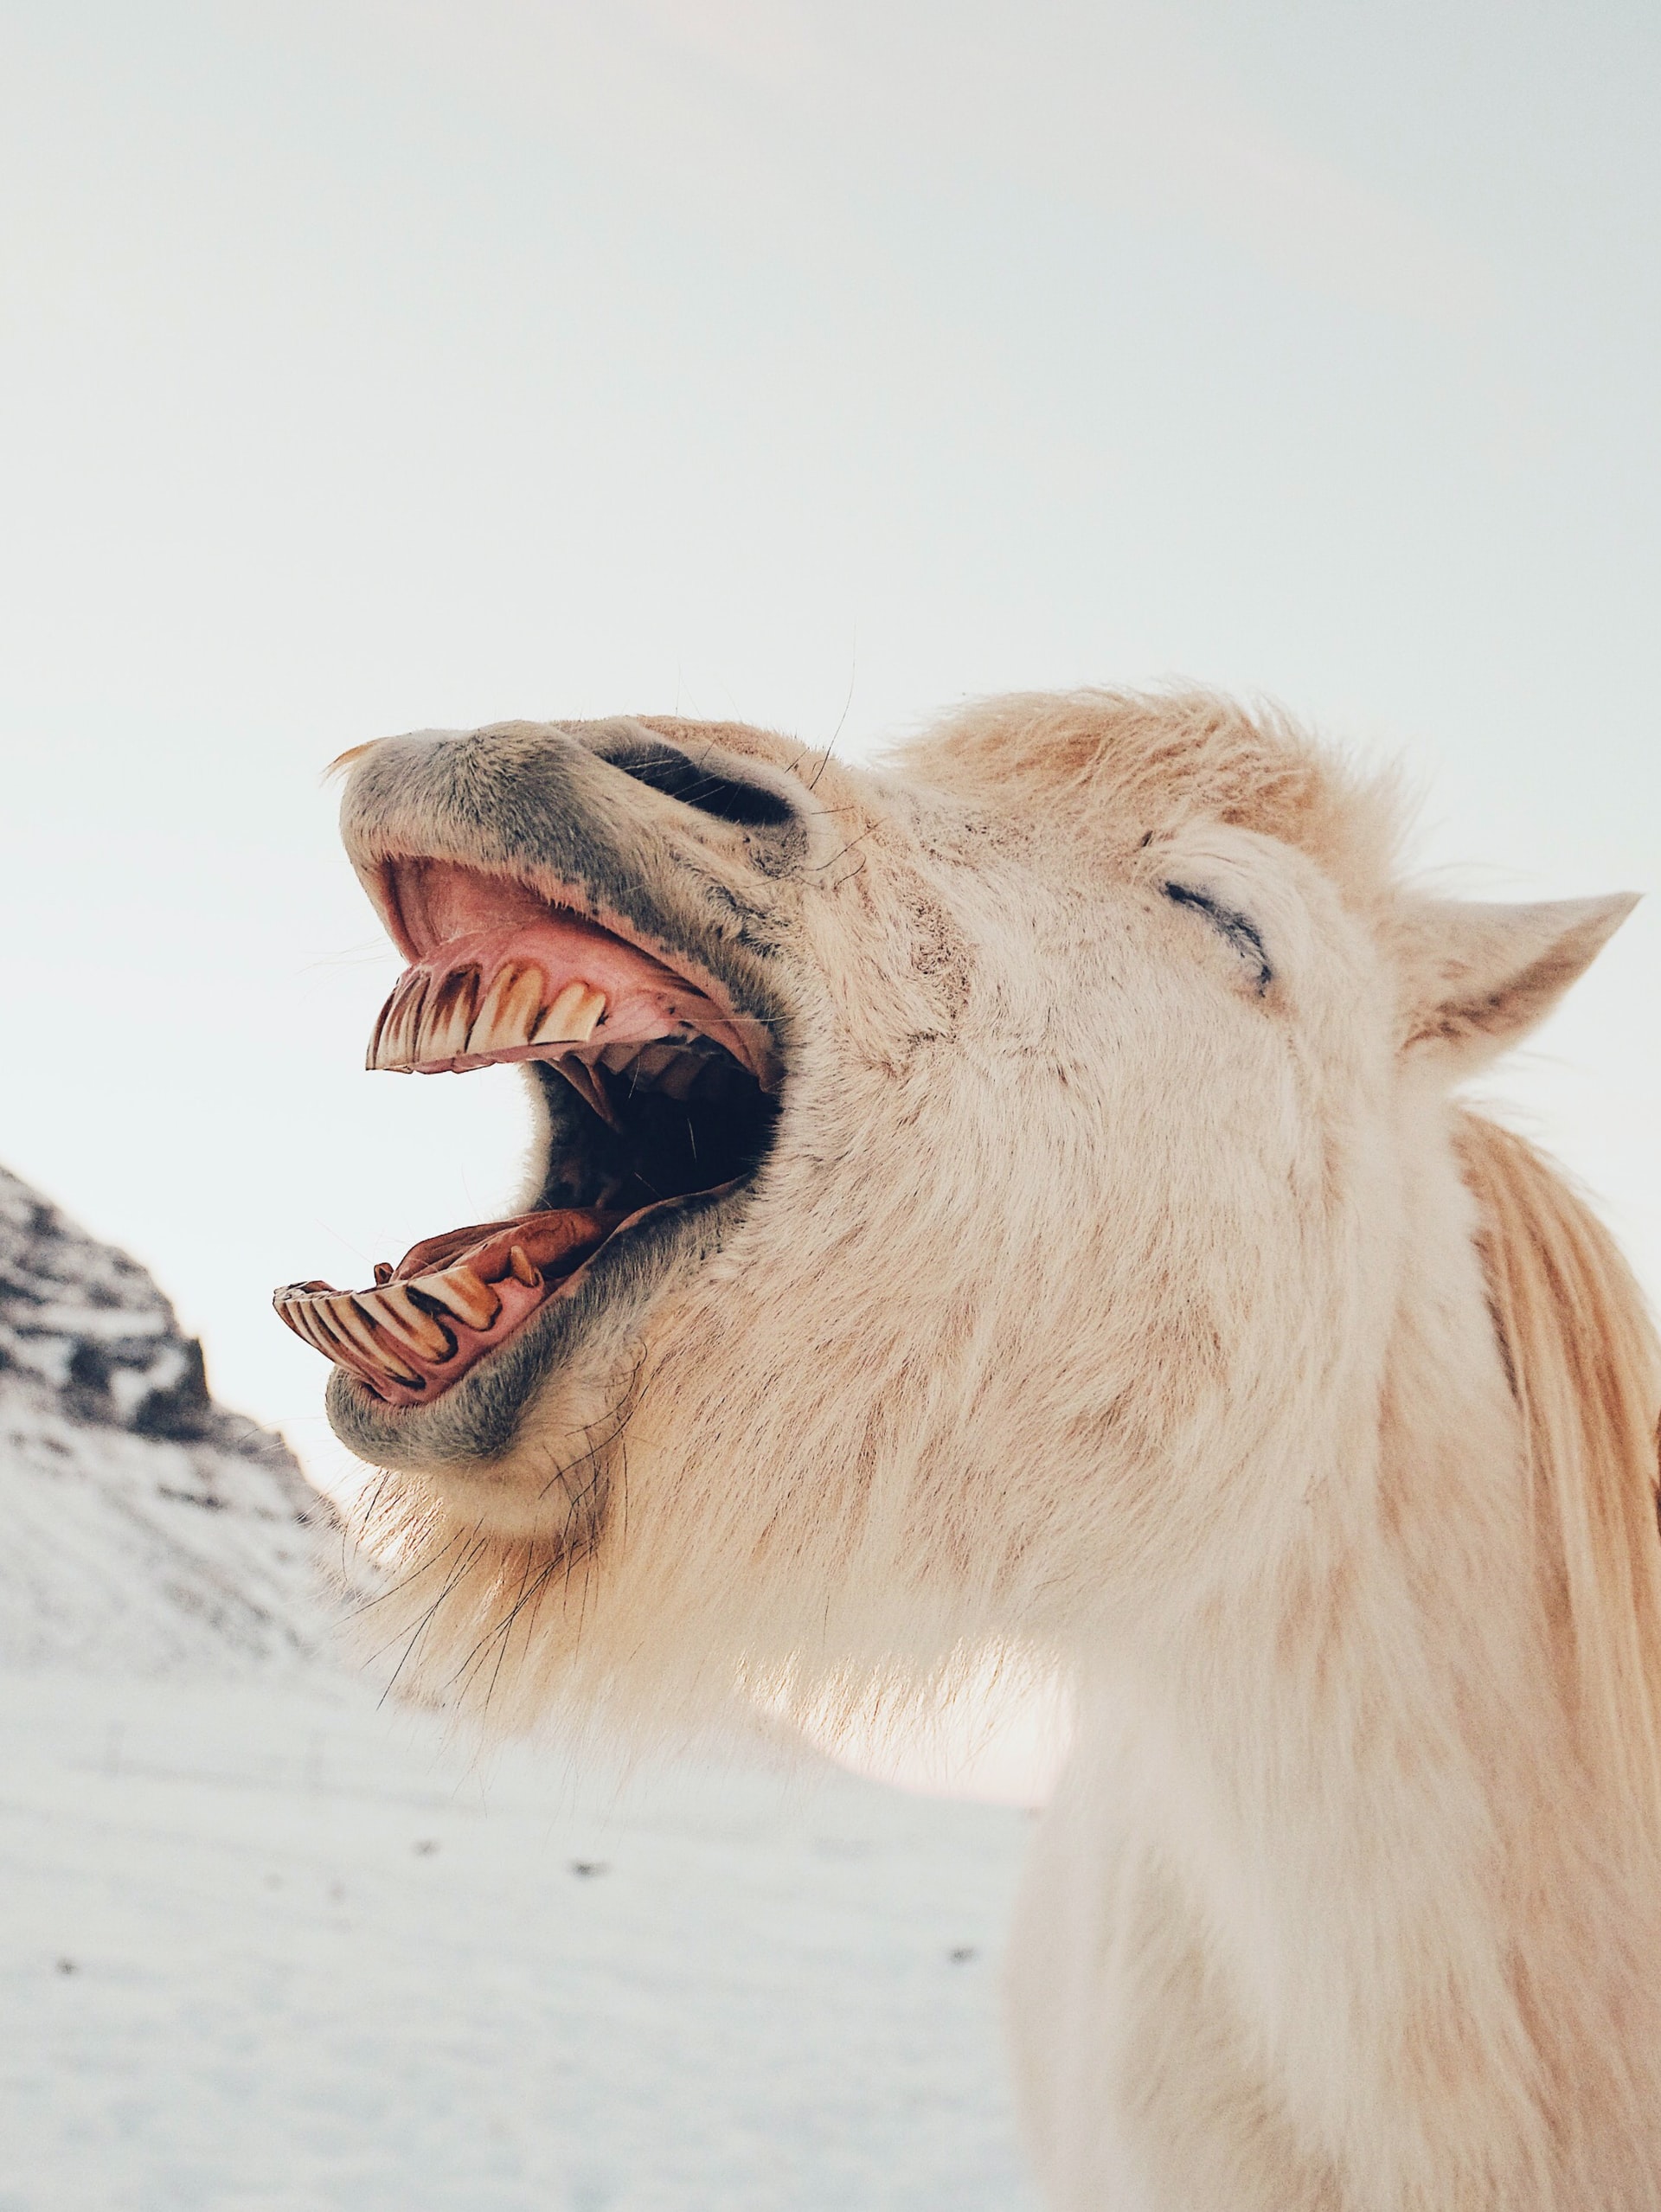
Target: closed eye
{"points": [[1236, 931]]}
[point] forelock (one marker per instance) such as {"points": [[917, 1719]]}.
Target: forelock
{"points": [[1118, 767]]}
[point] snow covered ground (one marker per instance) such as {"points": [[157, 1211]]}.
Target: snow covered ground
{"points": [[265, 1946]]}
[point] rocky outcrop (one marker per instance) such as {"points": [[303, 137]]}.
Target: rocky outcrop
{"points": [[141, 1524]]}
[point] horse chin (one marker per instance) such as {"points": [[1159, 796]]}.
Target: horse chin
{"points": [[522, 1442], [550, 1487]]}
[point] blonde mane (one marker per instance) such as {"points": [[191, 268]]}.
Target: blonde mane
{"points": [[1584, 1363]]}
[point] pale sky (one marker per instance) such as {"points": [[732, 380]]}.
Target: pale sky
{"points": [[373, 366]]}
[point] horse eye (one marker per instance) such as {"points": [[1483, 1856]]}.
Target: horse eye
{"points": [[1240, 934]]}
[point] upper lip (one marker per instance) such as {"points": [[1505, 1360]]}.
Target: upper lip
{"points": [[551, 812]]}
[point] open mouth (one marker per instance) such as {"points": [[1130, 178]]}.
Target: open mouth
{"points": [[662, 1097]]}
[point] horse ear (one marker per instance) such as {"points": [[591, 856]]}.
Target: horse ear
{"points": [[1477, 978]]}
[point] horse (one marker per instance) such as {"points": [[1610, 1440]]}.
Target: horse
{"points": [[1018, 1197]]}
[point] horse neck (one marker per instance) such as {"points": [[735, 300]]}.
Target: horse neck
{"points": [[1362, 1763]]}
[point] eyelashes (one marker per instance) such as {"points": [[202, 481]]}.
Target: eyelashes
{"points": [[1240, 934]]}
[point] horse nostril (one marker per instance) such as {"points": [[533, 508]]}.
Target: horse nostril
{"points": [[679, 775]]}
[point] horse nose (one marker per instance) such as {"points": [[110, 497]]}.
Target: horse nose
{"points": [[720, 788]]}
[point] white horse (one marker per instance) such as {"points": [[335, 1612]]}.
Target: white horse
{"points": [[1015, 1201]]}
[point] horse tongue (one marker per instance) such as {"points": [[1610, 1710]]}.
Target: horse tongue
{"points": [[550, 1242]]}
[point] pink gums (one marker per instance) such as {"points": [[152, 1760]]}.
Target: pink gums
{"points": [[448, 917]]}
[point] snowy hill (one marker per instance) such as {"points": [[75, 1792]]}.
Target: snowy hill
{"points": [[147, 1530]]}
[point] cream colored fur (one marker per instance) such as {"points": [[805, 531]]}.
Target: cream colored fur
{"points": [[1102, 1306]]}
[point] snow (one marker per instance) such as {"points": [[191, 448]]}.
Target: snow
{"points": [[139, 1553], [269, 1947], [146, 1528]]}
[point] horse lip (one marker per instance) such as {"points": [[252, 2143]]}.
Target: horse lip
{"points": [[478, 1418], [398, 1372]]}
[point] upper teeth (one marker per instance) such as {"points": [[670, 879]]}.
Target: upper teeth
{"points": [[511, 1008], [430, 1020]]}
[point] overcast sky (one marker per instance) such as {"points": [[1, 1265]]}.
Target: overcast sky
{"points": [[390, 364]]}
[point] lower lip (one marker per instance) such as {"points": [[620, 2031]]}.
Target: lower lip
{"points": [[519, 1305]]}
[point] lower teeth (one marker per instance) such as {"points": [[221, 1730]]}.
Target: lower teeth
{"points": [[404, 1327]]}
